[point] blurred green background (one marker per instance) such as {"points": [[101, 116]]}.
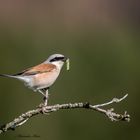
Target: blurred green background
{"points": [[102, 40]]}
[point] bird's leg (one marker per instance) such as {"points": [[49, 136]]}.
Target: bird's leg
{"points": [[44, 92], [46, 97]]}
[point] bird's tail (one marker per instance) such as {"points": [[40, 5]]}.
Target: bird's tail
{"points": [[7, 75], [15, 76]]}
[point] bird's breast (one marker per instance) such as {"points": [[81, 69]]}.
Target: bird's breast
{"points": [[44, 80]]}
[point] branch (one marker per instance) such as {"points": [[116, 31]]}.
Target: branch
{"points": [[41, 109]]}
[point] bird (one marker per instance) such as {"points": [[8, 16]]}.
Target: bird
{"points": [[41, 77]]}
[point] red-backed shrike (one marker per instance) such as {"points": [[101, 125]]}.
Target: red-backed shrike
{"points": [[41, 77]]}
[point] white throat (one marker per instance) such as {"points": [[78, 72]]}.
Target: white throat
{"points": [[58, 64]]}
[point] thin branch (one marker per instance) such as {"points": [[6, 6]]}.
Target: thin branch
{"points": [[23, 118], [114, 100]]}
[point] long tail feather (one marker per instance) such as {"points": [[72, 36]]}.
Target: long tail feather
{"points": [[6, 75], [21, 78]]}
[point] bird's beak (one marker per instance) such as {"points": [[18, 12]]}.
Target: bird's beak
{"points": [[65, 59]]}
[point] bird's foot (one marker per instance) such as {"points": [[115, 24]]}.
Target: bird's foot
{"points": [[40, 105]]}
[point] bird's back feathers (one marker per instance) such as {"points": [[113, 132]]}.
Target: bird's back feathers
{"points": [[37, 69]]}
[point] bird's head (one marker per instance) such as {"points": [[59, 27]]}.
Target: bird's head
{"points": [[57, 59]]}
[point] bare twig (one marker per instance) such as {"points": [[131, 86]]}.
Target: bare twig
{"points": [[23, 118], [114, 100]]}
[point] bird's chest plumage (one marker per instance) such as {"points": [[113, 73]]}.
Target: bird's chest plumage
{"points": [[44, 80]]}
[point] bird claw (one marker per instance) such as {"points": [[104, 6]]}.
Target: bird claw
{"points": [[44, 111]]}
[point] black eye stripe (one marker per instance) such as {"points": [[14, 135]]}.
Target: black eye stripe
{"points": [[56, 59], [59, 58]]}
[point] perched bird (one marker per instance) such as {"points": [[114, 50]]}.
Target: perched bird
{"points": [[41, 77]]}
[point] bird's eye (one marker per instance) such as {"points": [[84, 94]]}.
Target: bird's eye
{"points": [[57, 59]]}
